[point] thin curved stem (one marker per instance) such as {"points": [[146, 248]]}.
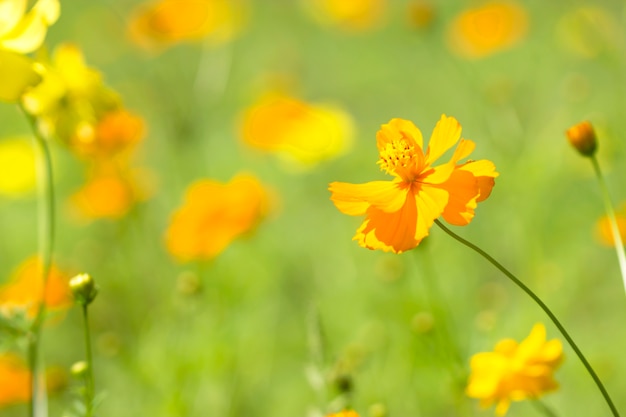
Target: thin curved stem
{"points": [[46, 240], [617, 238], [543, 306]]}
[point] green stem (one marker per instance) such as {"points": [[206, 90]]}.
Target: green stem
{"points": [[543, 306], [89, 379], [37, 407], [617, 238]]}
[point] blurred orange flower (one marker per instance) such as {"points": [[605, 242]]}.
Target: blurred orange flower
{"points": [[515, 371], [213, 215], [109, 193], [603, 227], [302, 132], [399, 213], [14, 380], [351, 15], [345, 413], [491, 28], [25, 289], [167, 22], [117, 131]]}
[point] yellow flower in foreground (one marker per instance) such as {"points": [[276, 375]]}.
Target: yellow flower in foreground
{"points": [[14, 380], [25, 32], [345, 413], [300, 131], [25, 289], [351, 15], [72, 98], [515, 371], [483, 31], [168, 22], [17, 167], [603, 227], [213, 215], [400, 212]]}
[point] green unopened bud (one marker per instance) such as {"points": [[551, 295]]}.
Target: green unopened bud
{"points": [[84, 289], [583, 138]]}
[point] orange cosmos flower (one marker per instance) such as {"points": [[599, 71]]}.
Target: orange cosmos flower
{"points": [[213, 215], [14, 380], [488, 29], [306, 133], [168, 22], [110, 192], [515, 371], [400, 212], [25, 289], [345, 413]]}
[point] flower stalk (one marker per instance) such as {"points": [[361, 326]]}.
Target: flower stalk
{"points": [[610, 211], [543, 306], [37, 405]]}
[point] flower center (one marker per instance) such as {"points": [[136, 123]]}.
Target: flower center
{"points": [[397, 156]]}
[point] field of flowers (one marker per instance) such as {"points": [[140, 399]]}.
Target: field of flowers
{"points": [[315, 208]]}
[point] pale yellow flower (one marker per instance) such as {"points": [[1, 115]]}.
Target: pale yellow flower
{"points": [[24, 32], [349, 15], [515, 371]]}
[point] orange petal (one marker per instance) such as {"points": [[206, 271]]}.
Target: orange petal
{"points": [[463, 190], [356, 199], [447, 132], [390, 232], [485, 172]]}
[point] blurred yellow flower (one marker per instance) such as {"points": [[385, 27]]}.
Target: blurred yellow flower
{"points": [[24, 291], [167, 22], [399, 213], [72, 97], [213, 215], [604, 231], [110, 193], [302, 132], [17, 166], [25, 32], [491, 28], [345, 413], [17, 74], [351, 15], [14, 380], [515, 371]]}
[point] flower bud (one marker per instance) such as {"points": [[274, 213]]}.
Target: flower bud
{"points": [[79, 368], [583, 138], [84, 289]]}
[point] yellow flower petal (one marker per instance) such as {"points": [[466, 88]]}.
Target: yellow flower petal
{"points": [[30, 32], [356, 199], [17, 73], [447, 132], [11, 12], [17, 167], [399, 129]]}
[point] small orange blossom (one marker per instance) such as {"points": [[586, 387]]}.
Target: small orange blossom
{"points": [[213, 215], [14, 380], [400, 212], [25, 289], [345, 413]]}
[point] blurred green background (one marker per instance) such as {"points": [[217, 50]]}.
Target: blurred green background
{"points": [[401, 327]]}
